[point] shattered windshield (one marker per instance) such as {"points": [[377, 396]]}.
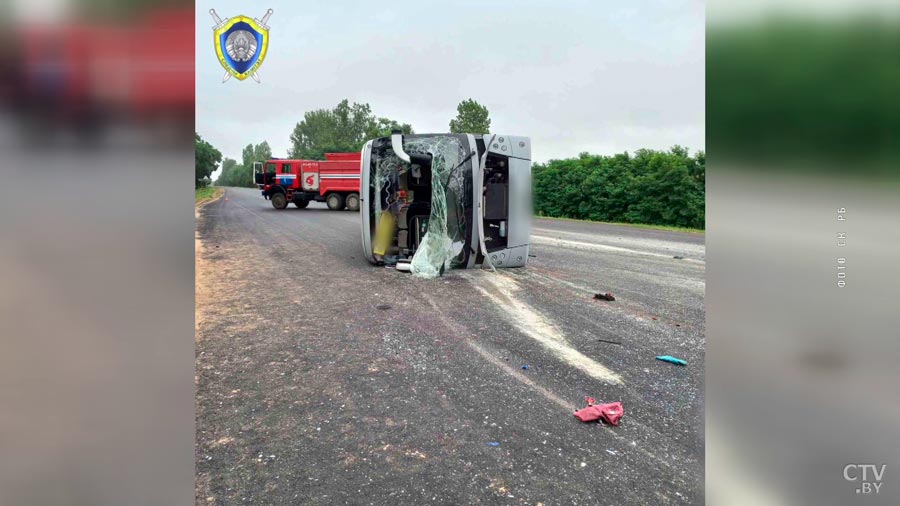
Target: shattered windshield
{"points": [[442, 191]]}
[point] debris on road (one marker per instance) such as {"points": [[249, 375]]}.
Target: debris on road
{"points": [[609, 413], [676, 257], [604, 296], [526, 367], [444, 378], [671, 360]]}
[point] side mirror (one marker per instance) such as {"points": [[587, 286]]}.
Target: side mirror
{"points": [[422, 160], [397, 145]]}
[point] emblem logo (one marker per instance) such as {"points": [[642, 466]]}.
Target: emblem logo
{"points": [[241, 44]]}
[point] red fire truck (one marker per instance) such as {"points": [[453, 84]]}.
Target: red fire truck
{"points": [[334, 181]]}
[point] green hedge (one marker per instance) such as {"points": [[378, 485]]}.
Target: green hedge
{"points": [[649, 187]]}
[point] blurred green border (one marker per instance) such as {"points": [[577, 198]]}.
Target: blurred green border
{"points": [[805, 95]]}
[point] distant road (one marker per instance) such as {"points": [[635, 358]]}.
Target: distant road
{"points": [[308, 393]]}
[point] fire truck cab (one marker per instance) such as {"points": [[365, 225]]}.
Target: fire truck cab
{"points": [[334, 181]]}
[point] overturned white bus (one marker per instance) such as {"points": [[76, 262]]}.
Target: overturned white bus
{"points": [[432, 202]]}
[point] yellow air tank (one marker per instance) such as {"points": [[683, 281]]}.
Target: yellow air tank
{"points": [[384, 234]]}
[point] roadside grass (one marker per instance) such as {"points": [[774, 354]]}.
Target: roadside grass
{"points": [[203, 195], [667, 228]]}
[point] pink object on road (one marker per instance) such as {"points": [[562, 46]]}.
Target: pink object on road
{"points": [[610, 413]]}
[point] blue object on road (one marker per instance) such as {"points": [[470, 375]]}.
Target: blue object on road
{"points": [[493, 443], [526, 366], [671, 360]]}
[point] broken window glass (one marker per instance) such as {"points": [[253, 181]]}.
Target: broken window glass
{"points": [[429, 202]]}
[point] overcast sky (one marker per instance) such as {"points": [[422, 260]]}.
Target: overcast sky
{"points": [[575, 76]]}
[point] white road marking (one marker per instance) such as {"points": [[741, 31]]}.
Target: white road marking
{"points": [[536, 326], [554, 241], [548, 394]]}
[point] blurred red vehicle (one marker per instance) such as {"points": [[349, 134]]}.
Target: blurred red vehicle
{"points": [[88, 75]]}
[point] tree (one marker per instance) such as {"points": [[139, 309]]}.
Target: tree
{"points": [[345, 128], [384, 126], [256, 153], [206, 158], [241, 174], [228, 167], [471, 118], [653, 187], [251, 154]]}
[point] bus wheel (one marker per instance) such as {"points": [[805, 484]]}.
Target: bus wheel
{"points": [[353, 202], [335, 201], [279, 201]]}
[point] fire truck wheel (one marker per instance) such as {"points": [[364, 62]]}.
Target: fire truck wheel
{"points": [[279, 201], [353, 202], [335, 201], [301, 203]]}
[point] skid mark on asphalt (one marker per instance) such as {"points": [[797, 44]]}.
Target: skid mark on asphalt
{"points": [[686, 244], [517, 375], [565, 243], [570, 408], [536, 326]]}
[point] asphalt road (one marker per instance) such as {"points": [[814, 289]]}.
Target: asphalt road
{"points": [[322, 379]]}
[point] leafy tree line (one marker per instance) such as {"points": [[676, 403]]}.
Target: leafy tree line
{"points": [[344, 129], [649, 187], [347, 127], [241, 174], [206, 158]]}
